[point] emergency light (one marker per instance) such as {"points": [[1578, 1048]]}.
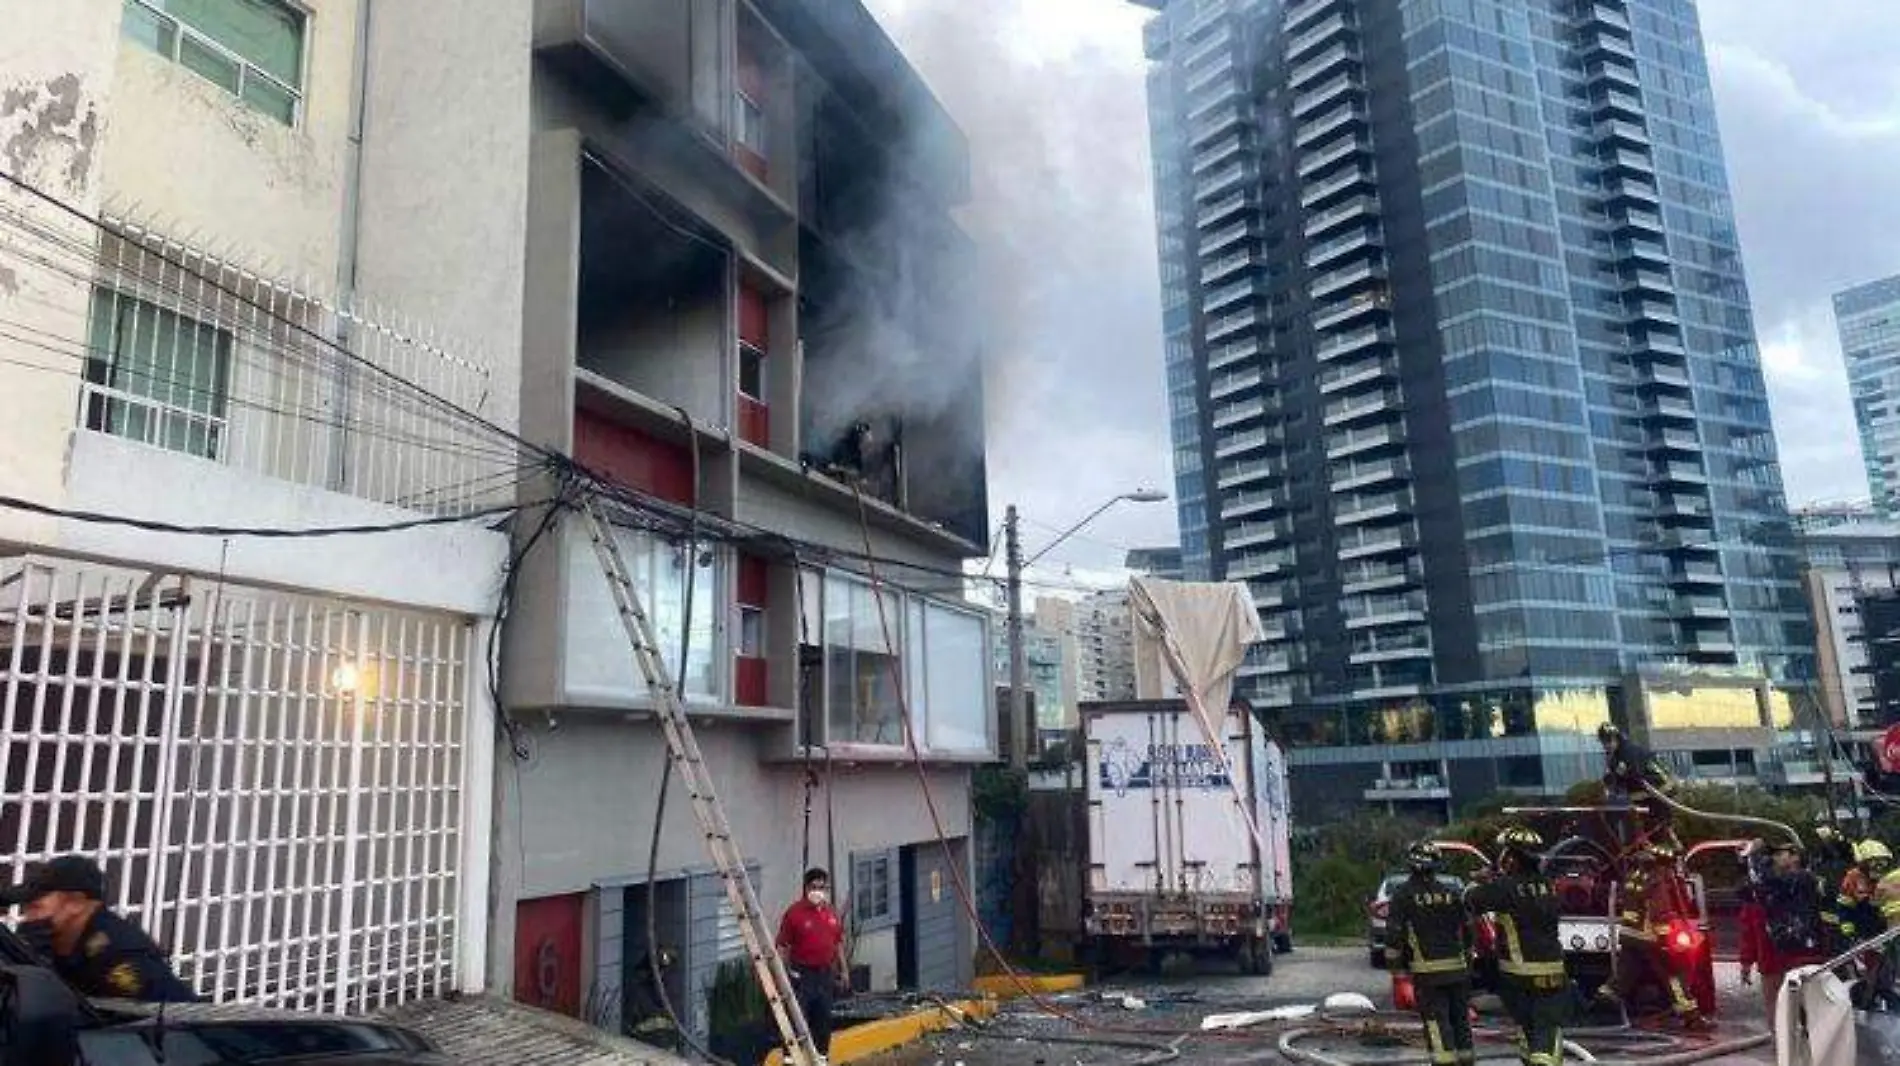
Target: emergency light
{"points": [[1683, 937]]}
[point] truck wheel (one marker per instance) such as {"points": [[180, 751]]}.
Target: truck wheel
{"points": [[1377, 956], [1262, 958]]}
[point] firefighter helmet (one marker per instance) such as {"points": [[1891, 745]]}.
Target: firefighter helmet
{"points": [[1608, 732], [1424, 856], [1872, 853], [1521, 839]]}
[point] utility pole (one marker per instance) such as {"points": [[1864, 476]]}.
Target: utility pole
{"points": [[1019, 731]]}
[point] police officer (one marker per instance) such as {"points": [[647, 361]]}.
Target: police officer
{"points": [[1646, 905], [98, 953], [1631, 772], [1428, 926], [1533, 984]]}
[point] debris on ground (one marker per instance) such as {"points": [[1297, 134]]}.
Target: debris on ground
{"points": [[1243, 1019]]}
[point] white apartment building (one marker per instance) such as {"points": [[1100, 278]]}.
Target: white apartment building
{"points": [[1105, 643], [1848, 556], [239, 239]]}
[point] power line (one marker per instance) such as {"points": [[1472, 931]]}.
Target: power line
{"points": [[14, 503]]}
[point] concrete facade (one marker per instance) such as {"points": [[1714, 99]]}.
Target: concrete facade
{"points": [[693, 318], [315, 243], [1848, 559]]}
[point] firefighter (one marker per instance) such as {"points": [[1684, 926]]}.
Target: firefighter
{"points": [[1630, 773], [1427, 924], [1833, 857], [1858, 915], [1531, 976], [1647, 905]]}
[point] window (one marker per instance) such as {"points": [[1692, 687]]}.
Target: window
{"points": [[599, 662], [862, 663], [253, 49], [751, 632], [750, 121], [752, 372], [156, 377], [874, 898]]}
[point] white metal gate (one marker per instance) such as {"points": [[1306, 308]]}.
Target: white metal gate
{"points": [[272, 781]]}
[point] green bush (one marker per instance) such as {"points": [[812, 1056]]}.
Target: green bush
{"points": [[734, 998]]}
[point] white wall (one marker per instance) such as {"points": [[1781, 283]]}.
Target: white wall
{"points": [[56, 63]]}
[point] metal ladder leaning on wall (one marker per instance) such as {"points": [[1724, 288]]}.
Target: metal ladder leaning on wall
{"points": [[774, 979]]}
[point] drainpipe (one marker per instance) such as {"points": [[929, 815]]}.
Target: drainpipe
{"points": [[348, 239]]}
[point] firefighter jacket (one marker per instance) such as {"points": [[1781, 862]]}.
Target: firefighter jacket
{"points": [[1646, 903], [1527, 913], [1856, 911], [1426, 924], [1887, 898], [1632, 770]]}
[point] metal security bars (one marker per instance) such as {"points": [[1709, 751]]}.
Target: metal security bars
{"points": [[185, 350], [273, 782]]}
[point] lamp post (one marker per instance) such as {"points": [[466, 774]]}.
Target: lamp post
{"points": [[1018, 667]]}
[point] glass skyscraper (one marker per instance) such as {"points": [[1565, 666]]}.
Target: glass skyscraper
{"points": [[1868, 319], [1463, 375]]}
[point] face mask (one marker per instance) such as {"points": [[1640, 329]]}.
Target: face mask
{"points": [[816, 897], [38, 935]]}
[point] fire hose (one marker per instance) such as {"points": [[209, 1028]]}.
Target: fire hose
{"points": [[1740, 819], [1290, 1049]]}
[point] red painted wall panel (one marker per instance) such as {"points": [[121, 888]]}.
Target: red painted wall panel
{"points": [[635, 459], [749, 682], [755, 327], [755, 421], [754, 577], [548, 953]]}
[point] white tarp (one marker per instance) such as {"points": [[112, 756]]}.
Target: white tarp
{"points": [[1210, 626], [1814, 1021]]}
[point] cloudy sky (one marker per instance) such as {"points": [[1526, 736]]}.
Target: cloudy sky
{"points": [[1050, 93]]}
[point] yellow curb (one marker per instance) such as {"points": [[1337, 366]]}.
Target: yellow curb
{"points": [[1003, 986], [873, 1038]]}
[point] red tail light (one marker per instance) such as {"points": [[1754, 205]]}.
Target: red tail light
{"points": [[1684, 937]]}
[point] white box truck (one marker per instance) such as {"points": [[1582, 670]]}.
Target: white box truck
{"points": [[1173, 864]]}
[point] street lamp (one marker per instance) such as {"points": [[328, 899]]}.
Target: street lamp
{"points": [[1018, 667]]}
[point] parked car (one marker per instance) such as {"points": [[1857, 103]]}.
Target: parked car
{"points": [[1484, 961]]}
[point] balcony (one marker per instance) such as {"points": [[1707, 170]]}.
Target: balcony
{"points": [[1301, 12], [1252, 504], [1623, 132], [1642, 280], [1327, 156], [1659, 348], [1357, 209], [1359, 441], [1245, 535], [1330, 251], [1710, 607], [1670, 408], [1612, 71], [1334, 282], [1225, 266], [1680, 441], [1226, 238], [1332, 90], [1318, 193], [1350, 477], [1249, 565], [1377, 507], [1621, 191], [1709, 644], [1226, 119], [1679, 473], [1326, 31], [1240, 443], [1358, 408], [1228, 384], [1646, 250], [1223, 356], [1340, 378], [1653, 313], [1373, 541], [1628, 161], [1308, 71], [1245, 472], [1692, 573], [1232, 414], [1667, 377], [1404, 789], [1214, 184], [1685, 512], [1212, 74], [1371, 611], [1221, 211], [1207, 19], [1228, 296], [1218, 44], [1376, 577], [1608, 47], [1229, 325], [1637, 222], [1206, 159], [1605, 18], [1351, 116], [1614, 104], [637, 55], [1357, 341], [1350, 312]]}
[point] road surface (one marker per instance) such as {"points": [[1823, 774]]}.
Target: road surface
{"points": [[1164, 1009]]}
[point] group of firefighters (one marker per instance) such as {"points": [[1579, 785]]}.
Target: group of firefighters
{"points": [[1792, 916]]}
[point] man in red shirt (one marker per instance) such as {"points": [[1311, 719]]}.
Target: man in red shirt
{"points": [[811, 940]]}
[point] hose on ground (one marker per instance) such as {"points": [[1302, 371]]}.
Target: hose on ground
{"points": [[1289, 1049], [1158, 1051]]}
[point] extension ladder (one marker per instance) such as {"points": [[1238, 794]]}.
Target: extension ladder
{"points": [[774, 979]]}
